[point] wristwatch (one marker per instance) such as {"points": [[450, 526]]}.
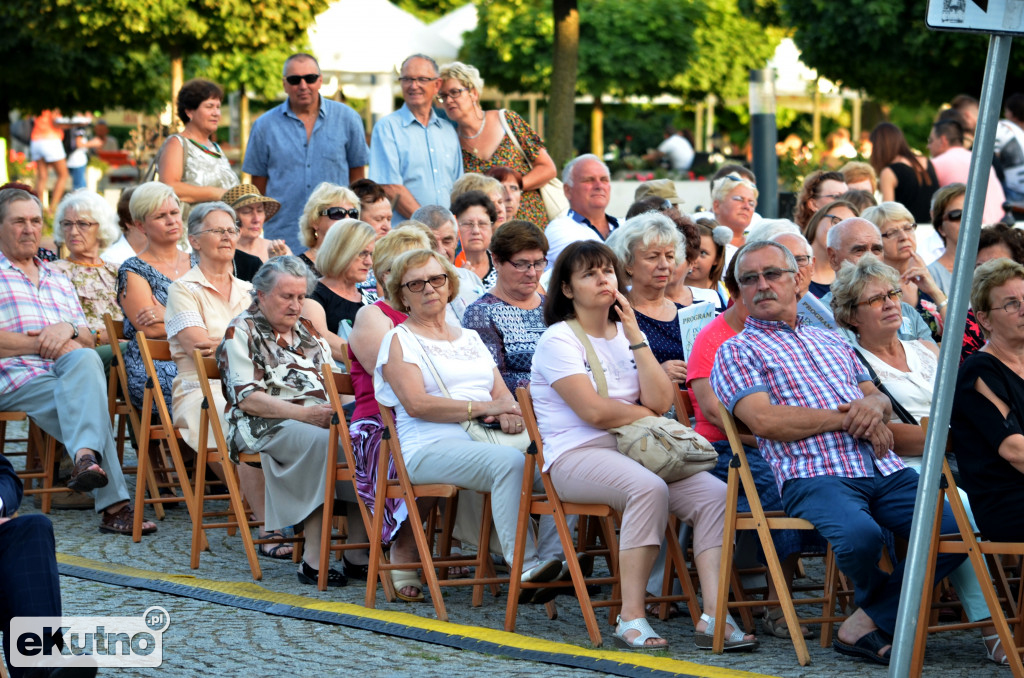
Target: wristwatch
{"points": [[634, 347], [74, 328]]}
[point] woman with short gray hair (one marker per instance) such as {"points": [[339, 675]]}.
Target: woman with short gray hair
{"points": [[270, 362]]}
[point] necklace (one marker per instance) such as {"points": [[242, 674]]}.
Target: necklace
{"points": [[176, 261], [206, 149], [483, 126], [86, 263]]}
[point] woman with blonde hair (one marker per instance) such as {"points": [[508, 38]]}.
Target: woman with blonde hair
{"points": [[487, 139], [327, 204]]}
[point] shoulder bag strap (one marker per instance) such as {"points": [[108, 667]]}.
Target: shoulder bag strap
{"points": [[898, 410], [430, 363], [513, 138], [595, 364]]}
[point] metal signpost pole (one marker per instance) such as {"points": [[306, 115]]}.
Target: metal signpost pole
{"points": [[949, 356]]}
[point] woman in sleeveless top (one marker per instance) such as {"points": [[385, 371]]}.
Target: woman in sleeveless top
{"points": [[903, 175]]}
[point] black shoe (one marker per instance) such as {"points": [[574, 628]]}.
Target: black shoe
{"points": [[353, 571], [307, 575]]}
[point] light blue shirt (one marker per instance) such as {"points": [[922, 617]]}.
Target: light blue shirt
{"points": [[278, 150], [426, 159]]}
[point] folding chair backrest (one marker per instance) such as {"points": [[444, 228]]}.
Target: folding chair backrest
{"points": [[118, 367]]}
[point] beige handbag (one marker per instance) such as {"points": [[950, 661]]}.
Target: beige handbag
{"points": [[552, 193], [661, 445]]}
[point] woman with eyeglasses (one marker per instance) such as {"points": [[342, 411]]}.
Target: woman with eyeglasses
{"points": [[899, 243], [327, 204], [819, 189], [509, 318], [437, 376], [866, 299], [903, 175], [192, 163], [816, 232], [947, 212], [253, 209], [345, 260], [734, 201], [475, 214], [486, 142]]}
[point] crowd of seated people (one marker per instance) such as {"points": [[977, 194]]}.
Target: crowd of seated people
{"points": [[443, 316]]}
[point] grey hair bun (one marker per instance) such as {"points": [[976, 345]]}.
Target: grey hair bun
{"points": [[722, 235]]}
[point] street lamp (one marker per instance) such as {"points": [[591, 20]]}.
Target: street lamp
{"points": [[763, 134]]}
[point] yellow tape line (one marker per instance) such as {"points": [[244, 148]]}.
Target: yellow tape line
{"points": [[503, 638]]}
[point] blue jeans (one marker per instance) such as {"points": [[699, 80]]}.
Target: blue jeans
{"points": [[787, 542], [851, 514]]}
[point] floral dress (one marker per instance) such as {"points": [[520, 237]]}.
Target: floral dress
{"points": [[166, 369], [96, 287], [531, 207]]}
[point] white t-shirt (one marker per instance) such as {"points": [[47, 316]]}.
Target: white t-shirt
{"points": [[464, 365], [560, 354], [119, 252], [563, 231], [679, 151]]}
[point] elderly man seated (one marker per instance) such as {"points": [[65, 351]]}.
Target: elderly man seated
{"points": [[821, 424], [44, 370]]}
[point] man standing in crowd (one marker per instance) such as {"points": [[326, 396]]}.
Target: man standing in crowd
{"points": [[821, 424], [297, 145], [952, 162], [676, 148], [588, 186], [1010, 146], [415, 154], [47, 366]]}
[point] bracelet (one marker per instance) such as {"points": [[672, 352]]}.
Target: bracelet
{"points": [[469, 409], [942, 304]]}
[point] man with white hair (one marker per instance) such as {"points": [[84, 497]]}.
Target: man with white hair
{"points": [[809, 306], [851, 239], [588, 187]]}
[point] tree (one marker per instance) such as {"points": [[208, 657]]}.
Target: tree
{"points": [[884, 48], [563, 79]]}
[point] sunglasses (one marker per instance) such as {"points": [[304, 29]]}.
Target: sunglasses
{"points": [[310, 78], [436, 281], [337, 213], [953, 215]]}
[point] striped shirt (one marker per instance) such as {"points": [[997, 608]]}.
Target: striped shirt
{"points": [[802, 367], [25, 307]]}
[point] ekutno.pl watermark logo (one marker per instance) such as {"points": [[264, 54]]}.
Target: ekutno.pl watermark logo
{"points": [[89, 641]]}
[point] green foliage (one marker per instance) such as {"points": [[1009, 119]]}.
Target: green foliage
{"points": [[884, 48], [429, 10], [684, 47]]}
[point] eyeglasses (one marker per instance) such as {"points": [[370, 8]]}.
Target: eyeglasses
{"points": [[803, 259], [450, 94], [908, 229], [310, 78], [1012, 306], [523, 266], [81, 226], [406, 80], [751, 203], [336, 213], [220, 232], [895, 294], [365, 254], [770, 275], [436, 281], [830, 196], [478, 225], [833, 219], [953, 215]]}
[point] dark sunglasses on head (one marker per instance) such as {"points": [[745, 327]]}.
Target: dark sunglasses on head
{"points": [[310, 78], [954, 215], [337, 213]]}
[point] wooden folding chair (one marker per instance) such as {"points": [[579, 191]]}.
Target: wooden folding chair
{"points": [[403, 488], [117, 396], [763, 522], [165, 433], [684, 407], [341, 468], [967, 541], [40, 459], [238, 513]]}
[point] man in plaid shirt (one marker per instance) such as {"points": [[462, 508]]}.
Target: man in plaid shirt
{"points": [[821, 424], [47, 366]]}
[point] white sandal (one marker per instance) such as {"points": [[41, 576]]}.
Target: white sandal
{"points": [[734, 642], [991, 652], [640, 642]]}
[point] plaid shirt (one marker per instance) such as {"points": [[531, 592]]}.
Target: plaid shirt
{"points": [[802, 367], [24, 307]]}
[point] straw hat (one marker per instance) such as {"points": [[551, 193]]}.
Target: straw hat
{"points": [[247, 194]]}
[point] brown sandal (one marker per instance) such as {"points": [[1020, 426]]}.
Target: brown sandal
{"points": [[84, 478], [122, 521]]}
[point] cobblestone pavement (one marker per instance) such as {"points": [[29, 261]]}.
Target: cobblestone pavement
{"points": [[206, 638]]}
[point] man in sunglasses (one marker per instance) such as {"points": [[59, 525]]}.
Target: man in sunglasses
{"points": [[851, 239], [822, 426], [297, 145], [952, 162], [414, 154]]}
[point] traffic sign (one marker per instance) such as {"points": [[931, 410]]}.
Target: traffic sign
{"points": [[1004, 17]]}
